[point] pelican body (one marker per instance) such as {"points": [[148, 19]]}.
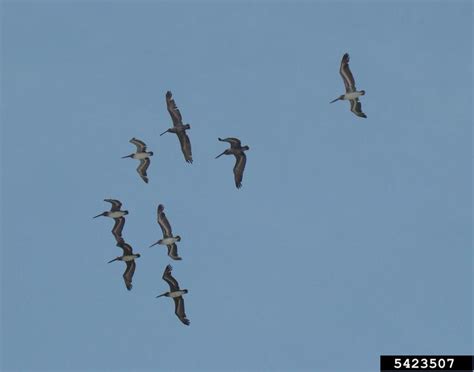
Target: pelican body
{"points": [[115, 211], [129, 258], [352, 94], [237, 150], [168, 239], [142, 155], [176, 294], [178, 127]]}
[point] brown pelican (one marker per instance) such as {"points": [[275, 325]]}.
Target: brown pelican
{"points": [[176, 294], [351, 92], [240, 159], [129, 258], [115, 211], [168, 239], [178, 127], [142, 155]]}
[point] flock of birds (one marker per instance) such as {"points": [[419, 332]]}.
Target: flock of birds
{"points": [[168, 240]]}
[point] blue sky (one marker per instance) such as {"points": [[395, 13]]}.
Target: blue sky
{"points": [[350, 238]]}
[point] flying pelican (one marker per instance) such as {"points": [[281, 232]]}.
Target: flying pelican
{"points": [[351, 92], [178, 127], [142, 155], [240, 159], [176, 294], [168, 239], [129, 258], [115, 211]]}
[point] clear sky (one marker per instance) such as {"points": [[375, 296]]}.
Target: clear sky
{"points": [[350, 238]]}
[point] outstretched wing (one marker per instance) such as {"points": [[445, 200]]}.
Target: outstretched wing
{"points": [[240, 161], [117, 229], [167, 277], [346, 74], [173, 109], [163, 222], [127, 248], [179, 309], [173, 252], [128, 274], [142, 167], [185, 146], [141, 147], [356, 108], [234, 142], [116, 204]]}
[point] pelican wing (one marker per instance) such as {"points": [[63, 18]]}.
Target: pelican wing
{"points": [[163, 222], [128, 274], [117, 229], [356, 108], [173, 109], [240, 160], [127, 248], [141, 147], [142, 167], [346, 74], [168, 278], [173, 252], [234, 142], [116, 204], [179, 309], [185, 146]]}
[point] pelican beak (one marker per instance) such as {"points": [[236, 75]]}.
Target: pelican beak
{"points": [[115, 259], [98, 215], [161, 295], [337, 99], [128, 156], [166, 131], [220, 155], [153, 244]]}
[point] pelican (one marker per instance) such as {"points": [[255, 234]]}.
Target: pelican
{"points": [[129, 258], [142, 155], [176, 294], [168, 239], [240, 159], [115, 211], [352, 94], [178, 127]]}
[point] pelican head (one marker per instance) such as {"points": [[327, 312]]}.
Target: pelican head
{"points": [[226, 152], [337, 99]]}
